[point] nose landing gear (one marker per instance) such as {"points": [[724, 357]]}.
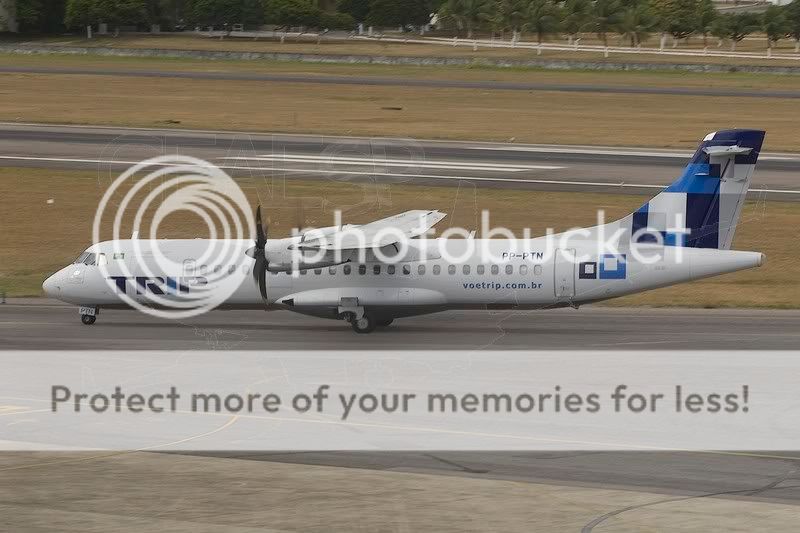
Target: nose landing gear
{"points": [[89, 315]]}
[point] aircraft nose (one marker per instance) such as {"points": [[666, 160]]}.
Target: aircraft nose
{"points": [[50, 286]]}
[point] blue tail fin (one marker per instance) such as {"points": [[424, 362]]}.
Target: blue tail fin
{"points": [[702, 207]]}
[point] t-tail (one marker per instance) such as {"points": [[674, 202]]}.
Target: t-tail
{"points": [[701, 209]]}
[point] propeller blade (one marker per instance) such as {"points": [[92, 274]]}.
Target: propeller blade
{"points": [[260, 273], [260, 268], [261, 231]]}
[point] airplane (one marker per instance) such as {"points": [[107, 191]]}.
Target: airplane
{"points": [[349, 280]]}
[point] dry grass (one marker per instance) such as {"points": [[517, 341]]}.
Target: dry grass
{"points": [[349, 47], [538, 116], [38, 237]]}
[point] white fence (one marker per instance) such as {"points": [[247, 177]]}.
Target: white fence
{"points": [[576, 46]]}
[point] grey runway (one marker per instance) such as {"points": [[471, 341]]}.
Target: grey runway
{"points": [[762, 476], [41, 325], [667, 477], [401, 82], [108, 151]]}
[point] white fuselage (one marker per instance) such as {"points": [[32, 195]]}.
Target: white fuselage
{"points": [[523, 274]]}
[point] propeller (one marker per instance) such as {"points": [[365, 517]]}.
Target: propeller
{"points": [[259, 253]]}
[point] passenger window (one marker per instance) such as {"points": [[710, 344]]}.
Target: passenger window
{"points": [[231, 269], [421, 270], [509, 269], [537, 269], [217, 269], [523, 269], [465, 269], [437, 270], [495, 269], [481, 269], [332, 271], [390, 269], [188, 267], [406, 270], [317, 271], [362, 269], [451, 269], [203, 269], [376, 269], [347, 270]]}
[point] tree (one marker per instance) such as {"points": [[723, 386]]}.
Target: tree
{"points": [[79, 13], [336, 21], [677, 17], [774, 24], [706, 14], [289, 13], [606, 17], [29, 13], [465, 14], [119, 12], [418, 12], [735, 26], [385, 13], [793, 23], [358, 9], [637, 22], [576, 15], [504, 15], [542, 17]]}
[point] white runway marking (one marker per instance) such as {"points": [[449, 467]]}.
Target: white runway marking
{"points": [[627, 152], [368, 161], [621, 185]]}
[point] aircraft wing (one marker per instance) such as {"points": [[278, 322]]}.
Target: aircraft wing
{"points": [[379, 233]]}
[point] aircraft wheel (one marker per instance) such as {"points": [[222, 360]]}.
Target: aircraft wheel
{"points": [[88, 320], [385, 322], [365, 324]]}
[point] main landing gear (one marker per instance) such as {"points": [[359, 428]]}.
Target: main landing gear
{"points": [[89, 315], [367, 323], [360, 319]]}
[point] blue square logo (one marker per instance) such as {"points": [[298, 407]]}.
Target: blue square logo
{"points": [[613, 266]]}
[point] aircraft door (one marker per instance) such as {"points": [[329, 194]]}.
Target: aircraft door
{"points": [[565, 274]]}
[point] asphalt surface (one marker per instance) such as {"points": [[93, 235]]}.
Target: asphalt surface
{"points": [[751, 475], [108, 151], [402, 82], [47, 325], [769, 477]]}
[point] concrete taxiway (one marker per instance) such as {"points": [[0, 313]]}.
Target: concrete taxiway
{"points": [[129, 491], [108, 151], [22, 326]]}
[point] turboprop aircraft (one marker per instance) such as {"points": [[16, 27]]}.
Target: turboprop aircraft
{"points": [[370, 275]]}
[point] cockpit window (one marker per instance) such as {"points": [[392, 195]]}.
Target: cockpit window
{"points": [[90, 259]]}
